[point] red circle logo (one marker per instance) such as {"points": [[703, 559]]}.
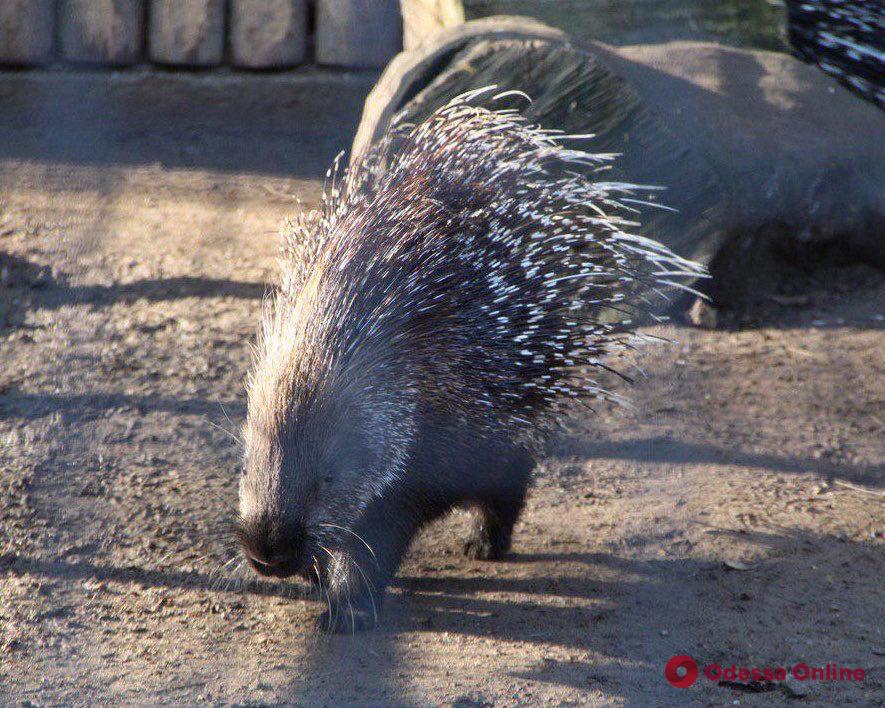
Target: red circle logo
{"points": [[681, 671]]}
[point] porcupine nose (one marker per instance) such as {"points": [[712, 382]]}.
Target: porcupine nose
{"points": [[276, 548]]}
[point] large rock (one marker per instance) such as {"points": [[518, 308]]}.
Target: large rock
{"points": [[791, 147], [424, 18], [187, 33], [26, 31], [570, 90], [747, 143], [358, 33], [412, 70], [102, 31], [268, 34]]}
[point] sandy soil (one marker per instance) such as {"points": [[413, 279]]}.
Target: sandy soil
{"points": [[128, 294]]}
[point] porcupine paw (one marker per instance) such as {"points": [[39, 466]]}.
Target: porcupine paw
{"points": [[346, 620], [485, 545]]}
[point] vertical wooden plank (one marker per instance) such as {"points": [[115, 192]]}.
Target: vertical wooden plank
{"points": [[26, 31], [268, 34], [102, 31], [358, 33], [186, 32]]}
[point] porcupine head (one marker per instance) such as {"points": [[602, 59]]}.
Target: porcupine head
{"points": [[466, 269]]}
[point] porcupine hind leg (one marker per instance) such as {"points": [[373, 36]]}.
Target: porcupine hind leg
{"points": [[498, 510]]}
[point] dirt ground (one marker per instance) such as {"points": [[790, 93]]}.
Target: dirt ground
{"points": [[734, 514]]}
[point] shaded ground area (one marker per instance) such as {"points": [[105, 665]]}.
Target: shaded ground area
{"points": [[128, 293]]}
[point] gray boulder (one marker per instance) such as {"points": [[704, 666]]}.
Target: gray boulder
{"points": [[754, 148]]}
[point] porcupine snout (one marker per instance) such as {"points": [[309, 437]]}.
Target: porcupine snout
{"points": [[274, 546]]}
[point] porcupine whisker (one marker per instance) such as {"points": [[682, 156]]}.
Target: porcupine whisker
{"points": [[235, 577], [355, 534], [227, 417], [238, 572], [227, 432], [222, 545], [350, 608], [232, 562], [196, 561], [221, 584], [229, 562], [333, 614], [324, 594], [216, 577], [347, 587], [213, 577], [230, 585], [366, 579], [371, 587]]}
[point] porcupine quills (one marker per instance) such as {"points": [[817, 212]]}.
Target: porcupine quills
{"points": [[437, 319], [845, 38]]}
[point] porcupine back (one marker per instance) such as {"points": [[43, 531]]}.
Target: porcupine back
{"points": [[468, 258]]}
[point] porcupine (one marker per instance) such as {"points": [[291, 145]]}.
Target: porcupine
{"points": [[436, 320]]}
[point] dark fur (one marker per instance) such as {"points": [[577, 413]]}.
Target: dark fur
{"points": [[492, 478]]}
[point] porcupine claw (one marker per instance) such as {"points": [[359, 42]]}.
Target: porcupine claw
{"points": [[343, 622]]}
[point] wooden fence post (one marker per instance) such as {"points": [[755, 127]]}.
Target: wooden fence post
{"points": [[187, 32], [102, 31], [268, 34], [26, 31], [358, 33]]}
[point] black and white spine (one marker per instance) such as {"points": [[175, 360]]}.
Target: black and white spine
{"points": [[477, 235], [845, 38]]}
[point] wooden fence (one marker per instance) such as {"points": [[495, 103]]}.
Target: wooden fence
{"points": [[248, 34]]}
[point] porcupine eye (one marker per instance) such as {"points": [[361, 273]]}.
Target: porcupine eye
{"points": [[336, 471]]}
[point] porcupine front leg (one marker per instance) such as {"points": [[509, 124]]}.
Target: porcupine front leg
{"points": [[498, 511], [371, 554]]}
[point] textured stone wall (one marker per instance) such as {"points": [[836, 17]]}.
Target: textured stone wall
{"points": [[248, 34]]}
